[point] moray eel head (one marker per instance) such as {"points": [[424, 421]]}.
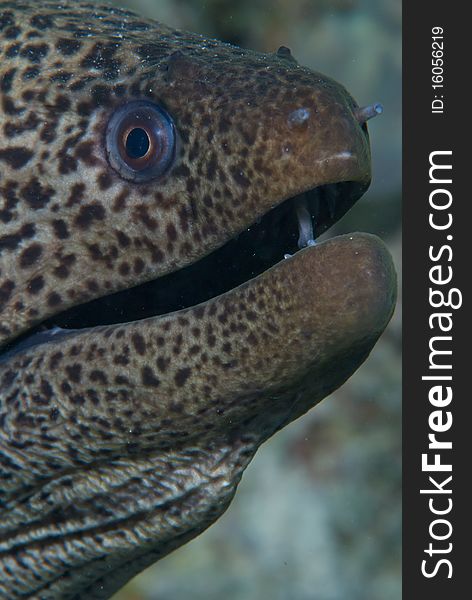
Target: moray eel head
{"points": [[152, 334]]}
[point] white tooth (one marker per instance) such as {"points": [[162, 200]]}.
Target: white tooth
{"points": [[305, 225], [288, 255]]}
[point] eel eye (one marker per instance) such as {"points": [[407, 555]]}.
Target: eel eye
{"points": [[140, 141]]}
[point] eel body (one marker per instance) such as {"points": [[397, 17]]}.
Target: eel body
{"points": [[134, 153]]}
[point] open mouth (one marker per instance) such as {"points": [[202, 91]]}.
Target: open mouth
{"points": [[290, 226]]}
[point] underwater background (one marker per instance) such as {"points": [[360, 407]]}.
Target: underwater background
{"points": [[318, 512]]}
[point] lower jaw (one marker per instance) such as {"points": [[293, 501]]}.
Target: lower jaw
{"points": [[317, 284]]}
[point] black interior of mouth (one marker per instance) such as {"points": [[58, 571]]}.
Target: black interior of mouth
{"points": [[255, 250]]}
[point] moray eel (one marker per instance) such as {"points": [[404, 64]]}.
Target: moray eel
{"points": [[152, 335]]}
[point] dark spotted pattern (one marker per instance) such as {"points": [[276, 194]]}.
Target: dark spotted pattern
{"points": [[58, 91], [120, 443]]}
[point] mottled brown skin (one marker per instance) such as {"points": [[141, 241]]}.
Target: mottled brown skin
{"points": [[120, 443]]}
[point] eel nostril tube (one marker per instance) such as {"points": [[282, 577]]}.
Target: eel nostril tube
{"points": [[365, 113]]}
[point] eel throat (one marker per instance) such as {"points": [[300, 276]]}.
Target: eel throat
{"points": [[152, 334]]}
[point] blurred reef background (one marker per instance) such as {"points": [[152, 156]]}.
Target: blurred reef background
{"points": [[318, 513]]}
